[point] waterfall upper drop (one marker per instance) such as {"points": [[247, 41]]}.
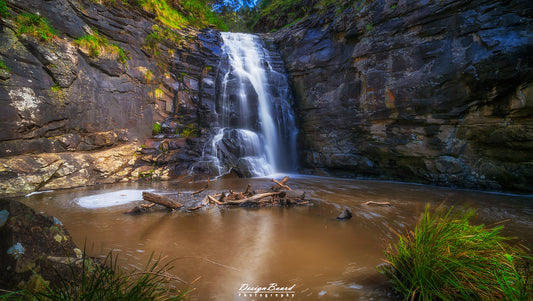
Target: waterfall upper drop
{"points": [[255, 134]]}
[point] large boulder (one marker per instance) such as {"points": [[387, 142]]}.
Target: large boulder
{"points": [[35, 250]]}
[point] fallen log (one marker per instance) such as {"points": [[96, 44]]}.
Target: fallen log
{"points": [[195, 208], [280, 185], [213, 200], [161, 200], [377, 203], [201, 190], [247, 192], [222, 197], [284, 180], [251, 199]]}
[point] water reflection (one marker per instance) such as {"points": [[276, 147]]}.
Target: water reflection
{"points": [[306, 246]]}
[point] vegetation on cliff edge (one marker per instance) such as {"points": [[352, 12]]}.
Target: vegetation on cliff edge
{"points": [[96, 45], [35, 25], [182, 13]]}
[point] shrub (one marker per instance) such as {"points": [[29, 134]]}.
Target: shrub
{"points": [[189, 131], [448, 258], [198, 13], [156, 130], [4, 12], [35, 25], [3, 66]]}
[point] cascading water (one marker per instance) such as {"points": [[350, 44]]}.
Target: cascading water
{"points": [[255, 134]]}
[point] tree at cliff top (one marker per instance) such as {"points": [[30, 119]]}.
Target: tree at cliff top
{"points": [[179, 13], [238, 15]]}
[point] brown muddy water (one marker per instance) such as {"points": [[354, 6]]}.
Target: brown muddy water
{"points": [[304, 249]]}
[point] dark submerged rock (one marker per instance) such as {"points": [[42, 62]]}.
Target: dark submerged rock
{"points": [[345, 214]]}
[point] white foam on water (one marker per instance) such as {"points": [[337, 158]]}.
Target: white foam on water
{"points": [[109, 199]]}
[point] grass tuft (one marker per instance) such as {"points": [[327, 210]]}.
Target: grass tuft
{"points": [[98, 45], [3, 66], [108, 282], [156, 130], [35, 25], [448, 258]]}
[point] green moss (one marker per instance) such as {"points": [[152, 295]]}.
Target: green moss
{"points": [[34, 25], [156, 130], [55, 87], [189, 131], [3, 66], [4, 12], [97, 45], [161, 34]]}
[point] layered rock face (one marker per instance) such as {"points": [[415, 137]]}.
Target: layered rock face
{"points": [[436, 92], [66, 110]]}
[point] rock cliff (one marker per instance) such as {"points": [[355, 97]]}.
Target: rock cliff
{"points": [[429, 91], [74, 113]]}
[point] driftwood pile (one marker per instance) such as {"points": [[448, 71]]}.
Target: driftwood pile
{"points": [[279, 195]]}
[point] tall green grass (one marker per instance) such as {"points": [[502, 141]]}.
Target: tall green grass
{"points": [[106, 282], [446, 257]]}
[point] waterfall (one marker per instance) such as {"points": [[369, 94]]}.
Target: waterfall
{"points": [[255, 134]]}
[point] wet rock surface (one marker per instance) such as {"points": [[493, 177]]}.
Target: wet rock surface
{"points": [[436, 93], [31, 247]]}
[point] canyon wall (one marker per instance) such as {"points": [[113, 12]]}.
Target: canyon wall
{"points": [[72, 115], [436, 92]]}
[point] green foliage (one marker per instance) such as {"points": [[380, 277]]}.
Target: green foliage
{"points": [[4, 12], [98, 45], [164, 12], [34, 25], [448, 258], [189, 131], [156, 130], [108, 282], [196, 12], [55, 87], [3, 66], [160, 34]]}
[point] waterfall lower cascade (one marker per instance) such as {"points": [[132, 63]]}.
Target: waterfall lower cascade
{"points": [[255, 134]]}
